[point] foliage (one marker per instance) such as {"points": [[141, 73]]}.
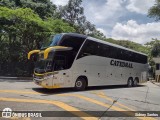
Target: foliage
{"points": [[154, 47], [44, 8], [21, 30], [154, 11], [154, 51], [130, 45], [73, 13]]}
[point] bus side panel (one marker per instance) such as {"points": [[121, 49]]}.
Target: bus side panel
{"points": [[98, 71], [81, 67], [63, 78]]}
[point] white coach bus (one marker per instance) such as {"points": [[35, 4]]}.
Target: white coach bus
{"points": [[74, 60]]}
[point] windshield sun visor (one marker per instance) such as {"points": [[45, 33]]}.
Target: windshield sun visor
{"points": [[55, 48]]}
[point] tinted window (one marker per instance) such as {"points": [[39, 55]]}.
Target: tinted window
{"points": [[63, 59], [89, 48], [72, 41], [103, 50]]}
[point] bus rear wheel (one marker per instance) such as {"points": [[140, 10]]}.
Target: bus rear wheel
{"points": [[130, 82], [135, 82], [80, 84]]}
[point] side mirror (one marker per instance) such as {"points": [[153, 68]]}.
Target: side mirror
{"points": [[33, 55]]}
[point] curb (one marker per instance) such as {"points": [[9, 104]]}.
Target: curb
{"points": [[155, 83]]}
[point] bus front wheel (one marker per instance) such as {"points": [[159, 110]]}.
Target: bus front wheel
{"points": [[130, 82], [80, 83]]}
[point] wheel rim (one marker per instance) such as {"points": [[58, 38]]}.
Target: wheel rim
{"points": [[78, 83], [135, 82]]}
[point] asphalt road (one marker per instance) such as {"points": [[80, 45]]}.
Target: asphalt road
{"points": [[118, 102]]}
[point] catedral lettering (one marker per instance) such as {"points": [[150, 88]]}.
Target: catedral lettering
{"points": [[121, 64]]}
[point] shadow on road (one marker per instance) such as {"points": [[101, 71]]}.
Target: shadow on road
{"points": [[71, 90]]}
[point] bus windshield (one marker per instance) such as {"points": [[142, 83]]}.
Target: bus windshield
{"points": [[53, 41], [43, 66], [56, 64]]}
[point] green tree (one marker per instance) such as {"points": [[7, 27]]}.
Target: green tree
{"points": [[131, 45], [154, 11], [28, 27], [154, 46], [21, 30], [73, 13], [44, 8]]}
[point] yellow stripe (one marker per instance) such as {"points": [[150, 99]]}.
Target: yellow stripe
{"points": [[46, 52], [102, 95], [39, 74], [57, 103], [32, 52], [55, 72], [105, 105], [81, 97], [18, 92], [110, 99]]}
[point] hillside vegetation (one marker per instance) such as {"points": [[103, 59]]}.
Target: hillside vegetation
{"points": [[130, 45]]}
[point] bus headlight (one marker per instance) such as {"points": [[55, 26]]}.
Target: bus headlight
{"points": [[47, 77]]}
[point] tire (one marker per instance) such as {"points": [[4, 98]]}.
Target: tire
{"points": [[135, 82], [80, 84], [130, 82]]}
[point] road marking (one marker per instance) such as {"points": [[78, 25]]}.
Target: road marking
{"points": [[18, 92], [102, 95], [57, 103], [82, 97], [105, 105]]}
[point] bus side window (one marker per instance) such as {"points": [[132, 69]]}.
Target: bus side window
{"points": [[72, 41], [60, 63], [114, 52], [104, 48], [89, 48]]}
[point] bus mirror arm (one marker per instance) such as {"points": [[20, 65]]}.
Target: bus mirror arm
{"points": [[32, 53]]}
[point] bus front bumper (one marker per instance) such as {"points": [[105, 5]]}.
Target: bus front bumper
{"points": [[44, 81]]}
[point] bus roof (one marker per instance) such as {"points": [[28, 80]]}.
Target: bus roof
{"points": [[101, 41], [75, 34], [114, 45]]}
